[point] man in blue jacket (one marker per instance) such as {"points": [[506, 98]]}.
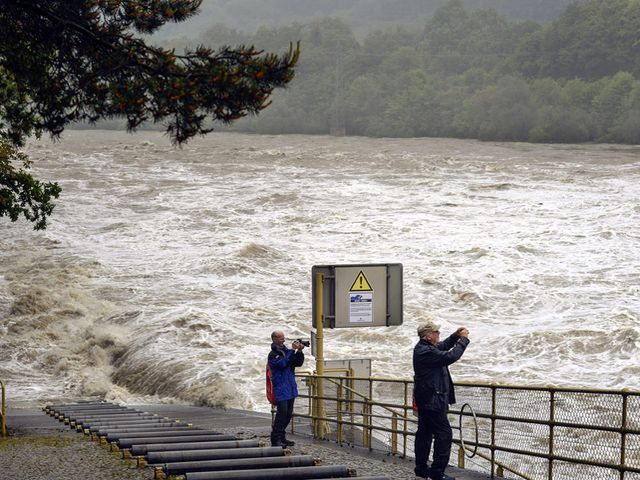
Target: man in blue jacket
{"points": [[433, 390], [283, 362]]}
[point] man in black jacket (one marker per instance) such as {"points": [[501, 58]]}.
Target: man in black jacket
{"points": [[433, 390]]}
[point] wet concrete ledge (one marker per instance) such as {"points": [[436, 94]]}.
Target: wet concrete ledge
{"points": [[42, 448]]}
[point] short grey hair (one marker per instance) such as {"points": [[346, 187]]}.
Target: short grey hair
{"points": [[427, 327]]}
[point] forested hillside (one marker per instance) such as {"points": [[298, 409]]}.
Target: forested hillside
{"points": [[464, 73], [361, 15]]}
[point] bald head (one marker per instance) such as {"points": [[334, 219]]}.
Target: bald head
{"points": [[277, 337]]}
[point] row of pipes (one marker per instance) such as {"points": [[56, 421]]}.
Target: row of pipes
{"points": [[181, 451]]}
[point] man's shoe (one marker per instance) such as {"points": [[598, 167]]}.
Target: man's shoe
{"points": [[288, 443], [422, 472], [440, 476], [279, 443]]}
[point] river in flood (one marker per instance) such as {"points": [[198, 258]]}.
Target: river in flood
{"points": [[163, 271]]}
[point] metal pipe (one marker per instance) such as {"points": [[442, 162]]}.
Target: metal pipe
{"points": [[138, 450], [127, 442], [131, 422], [107, 415], [94, 424], [274, 473], [159, 457], [81, 403], [112, 409], [363, 478], [73, 415], [154, 427], [116, 420], [143, 421], [78, 407], [180, 468], [168, 433]]}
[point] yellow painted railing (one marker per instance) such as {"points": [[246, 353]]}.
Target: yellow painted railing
{"points": [[3, 412], [522, 431]]}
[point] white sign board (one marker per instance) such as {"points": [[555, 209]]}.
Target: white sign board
{"points": [[360, 295], [361, 307]]}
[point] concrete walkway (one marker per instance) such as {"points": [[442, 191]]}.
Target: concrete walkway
{"points": [[41, 448]]}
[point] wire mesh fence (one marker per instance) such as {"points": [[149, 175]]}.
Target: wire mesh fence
{"points": [[510, 431]]}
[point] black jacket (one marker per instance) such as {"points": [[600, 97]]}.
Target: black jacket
{"points": [[433, 387]]}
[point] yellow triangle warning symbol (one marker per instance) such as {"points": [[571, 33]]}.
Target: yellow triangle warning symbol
{"points": [[361, 284]]}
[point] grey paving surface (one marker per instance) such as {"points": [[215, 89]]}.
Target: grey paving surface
{"points": [[41, 448]]}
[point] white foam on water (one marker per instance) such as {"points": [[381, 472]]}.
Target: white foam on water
{"points": [[163, 270]]}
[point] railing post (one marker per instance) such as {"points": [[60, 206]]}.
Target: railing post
{"points": [[394, 434], [406, 414], [339, 414], [552, 418], [365, 423], [370, 412], [3, 412], [460, 456], [493, 431], [623, 440]]}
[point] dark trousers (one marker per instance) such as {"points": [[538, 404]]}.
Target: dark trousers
{"points": [[433, 425], [283, 417]]}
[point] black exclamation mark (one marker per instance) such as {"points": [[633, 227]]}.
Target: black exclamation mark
{"points": [[360, 282]]}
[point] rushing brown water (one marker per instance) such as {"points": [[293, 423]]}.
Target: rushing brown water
{"points": [[164, 270]]}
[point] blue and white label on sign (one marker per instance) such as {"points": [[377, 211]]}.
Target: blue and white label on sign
{"points": [[361, 307]]}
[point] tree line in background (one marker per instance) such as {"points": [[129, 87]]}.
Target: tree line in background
{"points": [[466, 74], [361, 15]]}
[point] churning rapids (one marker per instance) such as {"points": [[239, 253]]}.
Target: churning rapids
{"points": [[163, 271]]}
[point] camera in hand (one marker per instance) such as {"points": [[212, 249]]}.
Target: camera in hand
{"points": [[306, 343]]}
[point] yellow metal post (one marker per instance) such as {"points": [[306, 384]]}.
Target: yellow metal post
{"points": [[339, 414], [460, 456], [394, 434], [319, 422]]}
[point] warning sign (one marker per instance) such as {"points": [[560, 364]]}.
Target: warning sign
{"points": [[357, 295], [360, 307], [361, 284]]}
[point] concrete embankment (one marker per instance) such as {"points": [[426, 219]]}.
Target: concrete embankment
{"points": [[41, 448]]}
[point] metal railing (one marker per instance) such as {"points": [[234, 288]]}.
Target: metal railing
{"points": [[3, 412], [522, 431]]}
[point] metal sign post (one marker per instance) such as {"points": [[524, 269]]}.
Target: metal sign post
{"points": [[319, 423], [350, 296]]}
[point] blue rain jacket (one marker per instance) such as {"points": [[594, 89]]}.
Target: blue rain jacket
{"points": [[283, 363]]}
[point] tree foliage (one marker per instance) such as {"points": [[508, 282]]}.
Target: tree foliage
{"points": [[469, 74], [20, 193], [64, 61], [71, 60]]}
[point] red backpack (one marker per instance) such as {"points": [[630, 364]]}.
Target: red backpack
{"points": [[271, 393]]}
